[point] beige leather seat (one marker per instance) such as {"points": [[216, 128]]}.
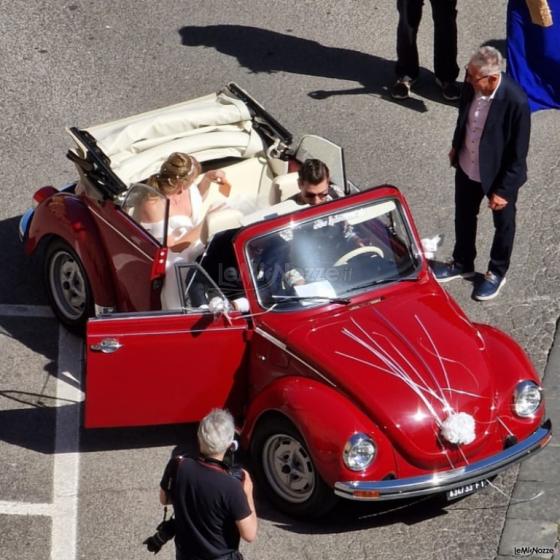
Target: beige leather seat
{"points": [[250, 181], [219, 220], [285, 186]]}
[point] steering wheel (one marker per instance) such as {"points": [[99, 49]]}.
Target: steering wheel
{"points": [[357, 252]]}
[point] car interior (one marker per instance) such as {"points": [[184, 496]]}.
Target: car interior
{"points": [[220, 131]]}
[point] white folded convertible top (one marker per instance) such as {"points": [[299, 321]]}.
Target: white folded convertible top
{"points": [[210, 127]]}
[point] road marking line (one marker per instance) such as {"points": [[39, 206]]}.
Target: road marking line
{"points": [[64, 535], [24, 508], [40, 311]]}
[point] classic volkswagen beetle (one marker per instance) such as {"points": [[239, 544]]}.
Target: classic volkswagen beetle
{"points": [[351, 372]]}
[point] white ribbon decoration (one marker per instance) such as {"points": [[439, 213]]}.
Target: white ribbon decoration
{"points": [[458, 428]]}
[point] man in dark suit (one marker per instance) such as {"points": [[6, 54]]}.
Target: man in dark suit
{"points": [[444, 13], [489, 152]]}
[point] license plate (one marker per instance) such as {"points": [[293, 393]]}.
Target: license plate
{"points": [[466, 490]]}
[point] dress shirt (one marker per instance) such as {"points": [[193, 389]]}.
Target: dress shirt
{"points": [[469, 152]]}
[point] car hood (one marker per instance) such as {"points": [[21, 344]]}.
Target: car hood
{"points": [[409, 361]]}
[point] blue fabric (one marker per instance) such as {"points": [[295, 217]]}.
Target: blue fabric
{"points": [[534, 54]]}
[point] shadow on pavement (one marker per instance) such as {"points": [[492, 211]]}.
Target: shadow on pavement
{"points": [[20, 274], [30, 428], [33, 428], [36, 392], [22, 284], [265, 51], [350, 516]]}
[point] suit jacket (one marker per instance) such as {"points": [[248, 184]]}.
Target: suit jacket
{"points": [[505, 139]]}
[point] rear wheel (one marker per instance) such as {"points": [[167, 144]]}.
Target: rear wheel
{"points": [[68, 287], [284, 468]]}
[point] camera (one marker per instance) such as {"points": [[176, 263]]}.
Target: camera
{"points": [[165, 531], [232, 468], [237, 472]]}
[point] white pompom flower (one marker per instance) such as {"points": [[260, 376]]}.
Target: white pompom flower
{"points": [[217, 306], [458, 428]]}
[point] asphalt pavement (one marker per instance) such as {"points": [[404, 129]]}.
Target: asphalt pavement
{"points": [[320, 67]]}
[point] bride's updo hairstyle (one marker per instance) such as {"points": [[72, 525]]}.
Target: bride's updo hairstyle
{"points": [[177, 170]]}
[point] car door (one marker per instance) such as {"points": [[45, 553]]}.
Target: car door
{"points": [[131, 248], [167, 367], [134, 254]]}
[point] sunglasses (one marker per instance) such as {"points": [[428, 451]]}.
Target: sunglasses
{"points": [[312, 196]]}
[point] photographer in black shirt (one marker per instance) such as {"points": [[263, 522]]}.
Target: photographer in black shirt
{"points": [[213, 506]]}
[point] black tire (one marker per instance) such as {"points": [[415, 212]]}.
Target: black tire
{"points": [[68, 287], [297, 488]]}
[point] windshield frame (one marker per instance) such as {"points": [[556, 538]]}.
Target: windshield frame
{"points": [[294, 222]]}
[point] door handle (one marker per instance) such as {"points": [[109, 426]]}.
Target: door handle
{"points": [[107, 346]]}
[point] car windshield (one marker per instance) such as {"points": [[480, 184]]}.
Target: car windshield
{"points": [[334, 257]]}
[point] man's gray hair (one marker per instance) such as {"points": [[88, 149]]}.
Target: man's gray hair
{"points": [[488, 60], [215, 432]]}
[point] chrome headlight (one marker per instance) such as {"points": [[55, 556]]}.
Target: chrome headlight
{"points": [[526, 398], [359, 452]]}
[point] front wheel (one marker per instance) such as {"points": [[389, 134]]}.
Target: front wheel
{"points": [[68, 287], [284, 467]]}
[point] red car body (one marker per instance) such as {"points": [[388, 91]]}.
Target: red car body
{"points": [[388, 363], [295, 365]]}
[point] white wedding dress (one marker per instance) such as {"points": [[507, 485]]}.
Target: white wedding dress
{"points": [[178, 226]]}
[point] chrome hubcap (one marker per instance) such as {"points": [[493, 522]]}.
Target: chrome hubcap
{"points": [[68, 285], [288, 468]]}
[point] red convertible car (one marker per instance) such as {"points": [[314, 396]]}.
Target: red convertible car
{"points": [[350, 371]]}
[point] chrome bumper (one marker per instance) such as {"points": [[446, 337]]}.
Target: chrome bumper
{"points": [[24, 223], [446, 480]]}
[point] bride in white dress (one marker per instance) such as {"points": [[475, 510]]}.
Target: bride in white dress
{"points": [[186, 214]]}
